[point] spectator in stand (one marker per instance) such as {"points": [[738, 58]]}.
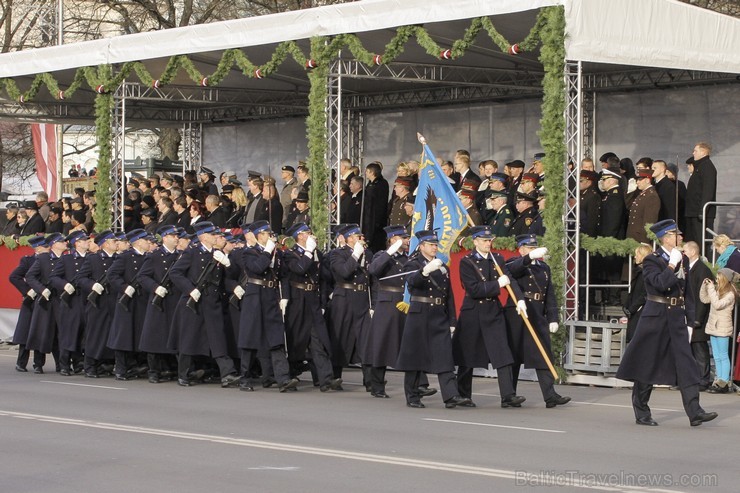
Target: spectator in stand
{"points": [[611, 224], [587, 164], [167, 216], [55, 224], [35, 224], [11, 226], [216, 214], [73, 173], [514, 170], [702, 188], [590, 201], [452, 176], [67, 219], [697, 318], [672, 174], [149, 220], [42, 201], [66, 203], [637, 295], [729, 256], [462, 166], [273, 210], [88, 200], [21, 219], [644, 209], [304, 178], [467, 197], [604, 159], [396, 210], [239, 201], [197, 213], [666, 189], [78, 222], [180, 206], [375, 208], [529, 183], [721, 298]]}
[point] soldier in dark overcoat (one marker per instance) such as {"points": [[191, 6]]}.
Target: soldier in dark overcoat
{"points": [[589, 202], [99, 312], [541, 307], [42, 334], [480, 337], [612, 223], [425, 344], [526, 214], [644, 209], [350, 305], [155, 280], [65, 278], [305, 327], [261, 323], [198, 276], [128, 316], [18, 280], [502, 217], [660, 352]]}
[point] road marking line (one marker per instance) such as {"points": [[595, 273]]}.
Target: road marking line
{"points": [[83, 385], [493, 425], [340, 454], [269, 468]]}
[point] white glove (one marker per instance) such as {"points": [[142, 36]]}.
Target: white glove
{"points": [[396, 246], [130, 291], [31, 294], [98, 288], [46, 294], [310, 244], [195, 294], [538, 253], [239, 292], [676, 257], [69, 289], [503, 281], [283, 305], [452, 329], [691, 332], [554, 326], [372, 312], [358, 250], [521, 308], [221, 258], [270, 246], [161, 291], [435, 264]]}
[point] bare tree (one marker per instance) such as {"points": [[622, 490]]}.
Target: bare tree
{"points": [[17, 160]]}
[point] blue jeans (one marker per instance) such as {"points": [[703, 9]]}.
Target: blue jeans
{"points": [[720, 347]]}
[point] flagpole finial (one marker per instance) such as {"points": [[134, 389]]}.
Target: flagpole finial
{"points": [[421, 138]]}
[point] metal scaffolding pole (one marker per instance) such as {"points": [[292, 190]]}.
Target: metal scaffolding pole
{"points": [[118, 134], [334, 132], [192, 143]]}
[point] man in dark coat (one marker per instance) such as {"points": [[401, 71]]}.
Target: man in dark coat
{"points": [[480, 337], [206, 184], [515, 171], [425, 345], [351, 206], [698, 272], [501, 217], [305, 327], [100, 308], [590, 202], [660, 353], [611, 224], [65, 278], [541, 307], [217, 214], [167, 216], [273, 209], [261, 323], [672, 174], [301, 212], [35, 223], [18, 280], [645, 208], [702, 188], [666, 190], [162, 298], [375, 211], [526, 214]]}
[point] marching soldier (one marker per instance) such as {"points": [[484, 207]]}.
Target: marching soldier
{"points": [[534, 279], [22, 327], [425, 344], [65, 278], [162, 298], [526, 214], [305, 327], [660, 351], [261, 323], [503, 217], [101, 303], [480, 337]]}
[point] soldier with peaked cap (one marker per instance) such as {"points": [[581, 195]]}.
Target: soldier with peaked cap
{"points": [[515, 170], [206, 184], [533, 276], [590, 201], [660, 352], [261, 323], [98, 314], [425, 344], [305, 327], [128, 317], [198, 276], [644, 208], [481, 336], [497, 202], [18, 280], [42, 334], [65, 278], [162, 297], [350, 305], [526, 214]]}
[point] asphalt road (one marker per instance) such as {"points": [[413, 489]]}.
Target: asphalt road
{"points": [[80, 435]]}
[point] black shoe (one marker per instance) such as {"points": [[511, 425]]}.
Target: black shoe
{"points": [[91, 374], [79, 369], [106, 368], [703, 418], [154, 379], [380, 395], [458, 401], [140, 370], [469, 404], [20, 368], [65, 372], [196, 376], [715, 389], [167, 375], [122, 378], [290, 384], [268, 382], [513, 401], [230, 380], [426, 391], [246, 387], [556, 400], [38, 370], [646, 421], [183, 383], [417, 405]]}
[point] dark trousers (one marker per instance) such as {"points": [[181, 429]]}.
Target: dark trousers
{"points": [[701, 355], [185, 362], [69, 359], [693, 229], [377, 379], [23, 354], [641, 395], [544, 378], [125, 360], [503, 374], [321, 364], [157, 364], [412, 380], [280, 367]]}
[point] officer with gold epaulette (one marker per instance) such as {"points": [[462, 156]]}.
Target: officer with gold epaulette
{"points": [[497, 202], [526, 214]]}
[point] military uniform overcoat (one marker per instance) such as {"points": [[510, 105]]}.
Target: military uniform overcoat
{"points": [[644, 210], [44, 319], [386, 326], [98, 320], [18, 280], [71, 315], [125, 332], [155, 333]]}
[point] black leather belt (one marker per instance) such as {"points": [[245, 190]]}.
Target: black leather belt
{"points": [[430, 300], [486, 300], [666, 300], [304, 286], [534, 296], [353, 287], [263, 283], [391, 289]]}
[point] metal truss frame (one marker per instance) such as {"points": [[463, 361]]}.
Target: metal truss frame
{"points": [[192, 146], [574, 143], [335, 132], [117, 168]]}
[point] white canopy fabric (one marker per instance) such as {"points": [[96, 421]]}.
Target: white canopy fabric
{"points": [[649, 33]]}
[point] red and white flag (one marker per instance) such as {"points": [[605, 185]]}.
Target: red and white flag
{"points": [[45, 147]]}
